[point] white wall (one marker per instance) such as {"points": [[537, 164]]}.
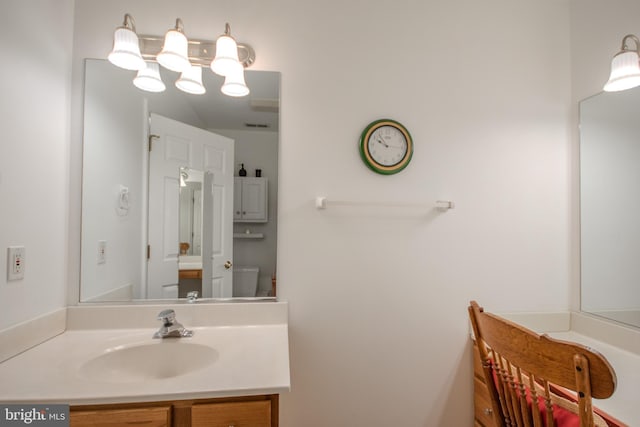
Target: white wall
{"points": [[34, 153], [114, 155], [378, 321]]}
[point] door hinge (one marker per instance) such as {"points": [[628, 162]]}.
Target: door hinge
{"points": [[148, 251], [151, 138]]}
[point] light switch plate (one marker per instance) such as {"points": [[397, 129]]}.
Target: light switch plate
{"points": [[15, 262]]}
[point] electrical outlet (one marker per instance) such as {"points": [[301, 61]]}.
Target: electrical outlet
{"points": [[102, 251], [15, 262]]}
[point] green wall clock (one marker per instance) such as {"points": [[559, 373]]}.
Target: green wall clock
{"points": [[386, 146]]}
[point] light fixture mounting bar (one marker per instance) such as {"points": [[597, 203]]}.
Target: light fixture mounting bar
{"points": [[201, 52]]}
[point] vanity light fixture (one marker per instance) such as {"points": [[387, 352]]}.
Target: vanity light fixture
{"points": [[175, 52], [126, 48], [190, 80], [234, 84], [226, 54], [149, 78], [625, 67]]}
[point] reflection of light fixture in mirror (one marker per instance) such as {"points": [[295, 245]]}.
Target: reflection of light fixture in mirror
{"points": [[226, 54], [149, 78], [625, 67], [184, 176], [126, 49], [175, 52], [234, 84], [190, 81]]}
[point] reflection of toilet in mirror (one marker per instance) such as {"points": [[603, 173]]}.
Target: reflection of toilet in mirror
{"points": [[245, 281]]}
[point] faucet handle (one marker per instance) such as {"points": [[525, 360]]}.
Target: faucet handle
{"points": [[192, 296], [167, 316]]}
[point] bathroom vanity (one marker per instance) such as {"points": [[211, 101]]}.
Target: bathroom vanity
{"points": [[248, 411], [111, 371]]}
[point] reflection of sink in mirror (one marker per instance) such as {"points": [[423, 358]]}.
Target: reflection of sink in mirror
{"points": [[190, 262], [153, 361]]}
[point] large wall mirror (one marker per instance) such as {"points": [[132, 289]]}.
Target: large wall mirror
{"points": [[162, 212], [610, 205]]}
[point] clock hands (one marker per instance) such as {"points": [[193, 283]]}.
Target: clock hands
{"points": [[381, 141]]}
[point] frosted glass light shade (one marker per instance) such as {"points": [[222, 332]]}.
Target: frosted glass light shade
{"points": [[625, 71], [174, 54], [148, 78], [234, 84], [190, 81], [126, 50], [226, 56]]}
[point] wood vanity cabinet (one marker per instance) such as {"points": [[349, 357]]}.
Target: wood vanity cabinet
{"points": [[483, 414], [249, 411], [190, 274]]}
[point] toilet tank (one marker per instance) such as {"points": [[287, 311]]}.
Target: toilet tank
{"points": [[245, 281]]}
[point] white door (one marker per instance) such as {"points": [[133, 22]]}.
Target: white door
{"points": [[176, 145]]}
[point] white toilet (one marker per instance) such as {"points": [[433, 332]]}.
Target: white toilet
{"points": [[245, 281]]}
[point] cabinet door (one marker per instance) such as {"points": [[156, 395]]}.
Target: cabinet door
{"points": [[237, 199], [149, 417], [250, 200], [236, 414]]}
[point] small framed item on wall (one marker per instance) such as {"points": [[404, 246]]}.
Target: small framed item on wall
{"points": [[386, 146]]}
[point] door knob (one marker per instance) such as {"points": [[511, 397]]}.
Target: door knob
{"points": [[228, 265]]}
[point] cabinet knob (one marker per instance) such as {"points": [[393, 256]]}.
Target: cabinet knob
{"points": [[228, 265], [488, 411]]}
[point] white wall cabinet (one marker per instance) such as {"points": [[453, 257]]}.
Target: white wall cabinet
{"points": [[250, 199]]}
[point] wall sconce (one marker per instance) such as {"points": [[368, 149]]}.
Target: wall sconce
{"points": [[175, 52], [625, 67]]}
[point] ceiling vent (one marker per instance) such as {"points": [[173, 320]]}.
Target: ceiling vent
{"points": [[265, 104]]}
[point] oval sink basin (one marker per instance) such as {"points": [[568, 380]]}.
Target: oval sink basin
{"points": [[150, 361]]}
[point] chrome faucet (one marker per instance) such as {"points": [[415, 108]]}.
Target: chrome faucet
{"points": [[170, 327], [192, 296]]}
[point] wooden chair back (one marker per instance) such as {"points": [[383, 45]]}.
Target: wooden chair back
{"points": [[521, 367]]}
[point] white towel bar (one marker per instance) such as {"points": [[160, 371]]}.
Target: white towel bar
{"points": [[322, 202]]}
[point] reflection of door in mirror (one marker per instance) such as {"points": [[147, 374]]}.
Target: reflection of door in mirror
{"points": [[610, 205], [179, 149], [190, 232], [190, 214]]}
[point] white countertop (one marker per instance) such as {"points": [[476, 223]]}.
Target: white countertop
{"points": [[250, 358]]}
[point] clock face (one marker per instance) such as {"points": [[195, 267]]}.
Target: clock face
{"points": [[386, 146]]}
